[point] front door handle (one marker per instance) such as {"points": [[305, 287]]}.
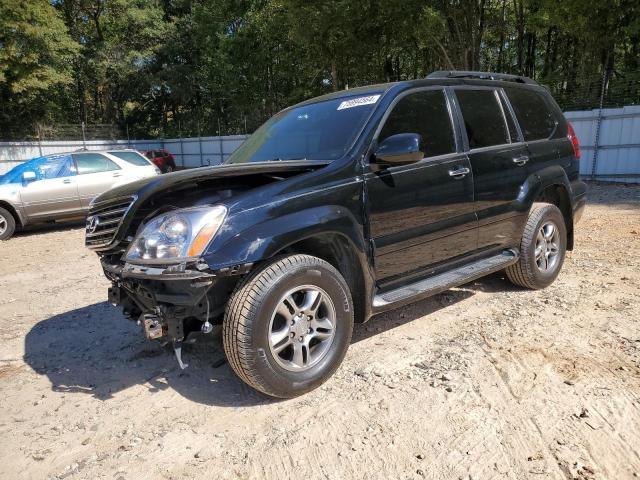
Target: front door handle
{"points": [[521, 160], [117, 174], [66, 181], [459, 173]]}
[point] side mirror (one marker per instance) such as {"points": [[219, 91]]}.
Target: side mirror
{"points": [[400, 149], [28, 177]]}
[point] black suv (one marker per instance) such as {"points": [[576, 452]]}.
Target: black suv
{"points": [[342, 207]]}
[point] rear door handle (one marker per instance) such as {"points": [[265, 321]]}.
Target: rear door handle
{"points": [[117, 174], [66, 181], [459, 173], [521, 160]]}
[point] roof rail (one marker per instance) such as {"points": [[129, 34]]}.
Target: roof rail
{"points": [[482, 76]]}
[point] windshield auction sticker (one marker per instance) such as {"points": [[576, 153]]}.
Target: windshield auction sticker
{"points": [[358, 102]]}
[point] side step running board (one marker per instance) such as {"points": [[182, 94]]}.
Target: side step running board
{"points": [[445, 281]]}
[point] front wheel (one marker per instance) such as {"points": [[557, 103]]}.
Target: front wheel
{"points": [[542, 249], [7, 224], [288, 325]]}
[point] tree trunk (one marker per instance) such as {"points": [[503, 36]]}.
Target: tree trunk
{"points": [[501, 46], [334, 75]]}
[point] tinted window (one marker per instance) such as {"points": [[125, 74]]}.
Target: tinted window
{"points": [[424, 113], [93, 163], [134, 158], [483, 118], [534, 115], [323, 130]]}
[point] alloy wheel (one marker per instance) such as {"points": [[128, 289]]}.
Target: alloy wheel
{"points": [[302, 328], [547, 250]]}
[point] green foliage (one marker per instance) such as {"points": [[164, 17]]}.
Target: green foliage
{"points": [[35, 57], [189, 67]]}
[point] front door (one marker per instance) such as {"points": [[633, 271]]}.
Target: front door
{"points": [[54, 193], [498, 164], [421, 214]]}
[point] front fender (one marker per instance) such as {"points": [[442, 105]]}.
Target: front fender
{"points": [[259, 240]]}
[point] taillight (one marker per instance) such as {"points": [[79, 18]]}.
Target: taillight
{"points": [[571, 135]]}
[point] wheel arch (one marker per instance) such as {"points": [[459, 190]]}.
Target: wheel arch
{"points": [[339, 251], [14, 213], [558, 195], [550, 185]]}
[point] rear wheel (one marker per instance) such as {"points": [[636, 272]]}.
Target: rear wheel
{"points": [[542, 249], [288, 326], [7, 224]]}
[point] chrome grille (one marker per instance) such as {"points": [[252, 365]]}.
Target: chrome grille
{"points": [[104, 220]]}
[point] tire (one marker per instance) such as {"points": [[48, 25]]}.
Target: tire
{"points": [[7, 224], [254, 318], [532, 270]]}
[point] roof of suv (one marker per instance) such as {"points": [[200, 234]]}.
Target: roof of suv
{"points": [[436, 78]]}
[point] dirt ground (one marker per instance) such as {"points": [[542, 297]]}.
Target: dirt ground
{"points": [[486, 381]]}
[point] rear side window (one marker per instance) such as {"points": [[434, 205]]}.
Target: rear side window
{"points": [[425, 113], [131, 157], [93, 163], [536, 119], [483, 118]]}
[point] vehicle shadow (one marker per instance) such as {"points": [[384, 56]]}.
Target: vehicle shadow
{"points": [[49, 227], [93, 350]]}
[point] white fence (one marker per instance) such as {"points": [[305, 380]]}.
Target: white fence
{"points": [[610, 143], [609, 139], [188, 152]]}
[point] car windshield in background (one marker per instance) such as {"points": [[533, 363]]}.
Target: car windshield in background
{"points": [[318, 131], [45, 168], [134, 158]]}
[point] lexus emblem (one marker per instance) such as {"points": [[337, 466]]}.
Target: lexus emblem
{"points": [[92, 224]]}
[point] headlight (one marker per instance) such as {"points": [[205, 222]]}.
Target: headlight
{"points": [[177, 234]]}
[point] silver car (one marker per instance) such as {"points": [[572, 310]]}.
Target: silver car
{"points": [[61, 186]]}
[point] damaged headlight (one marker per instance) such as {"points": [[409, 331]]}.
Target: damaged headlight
{"points": [[177, 234]]}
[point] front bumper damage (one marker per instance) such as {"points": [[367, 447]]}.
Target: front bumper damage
{"points": [[171, 302]]}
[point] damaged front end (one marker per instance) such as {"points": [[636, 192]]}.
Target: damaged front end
{"points": [[151, 237], [172, 302]]}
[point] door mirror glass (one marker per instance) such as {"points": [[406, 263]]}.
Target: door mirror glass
{"points": [[400, 149], [28, 177]]}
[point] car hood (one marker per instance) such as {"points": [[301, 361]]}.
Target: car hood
{"points": [[147, 187]]}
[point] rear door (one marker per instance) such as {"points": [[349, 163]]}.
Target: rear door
{"points": [[539, 123], [96, 174], [421, 214], [499, 163]]}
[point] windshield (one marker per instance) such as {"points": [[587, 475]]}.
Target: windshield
{"points": [[134, 158], [318, 131], [45, 168]]}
